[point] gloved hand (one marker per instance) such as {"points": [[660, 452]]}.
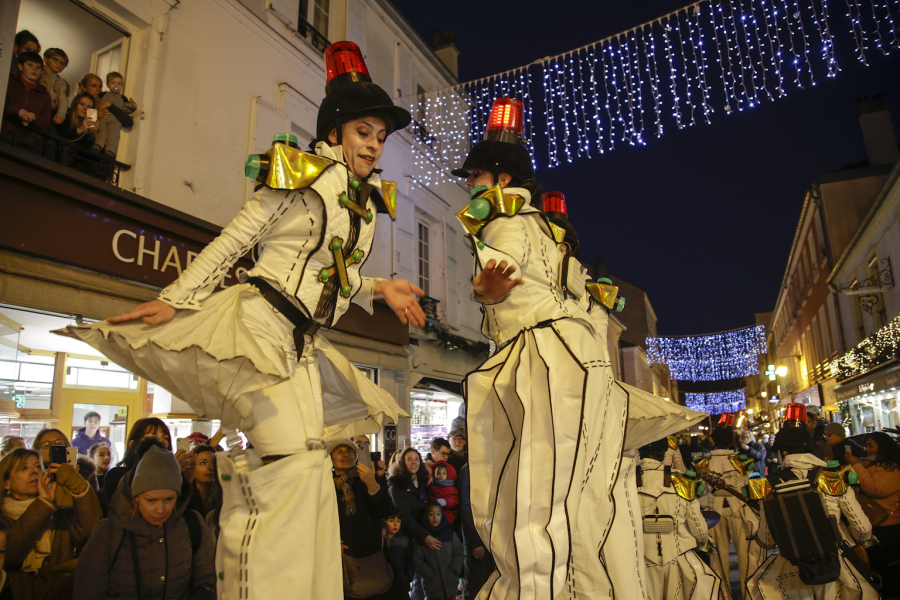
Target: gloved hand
{"points": [[68, 478]]}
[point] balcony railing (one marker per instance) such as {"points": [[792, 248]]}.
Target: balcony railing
{"points": [[52, 147], [312, 35], [430, 307]]}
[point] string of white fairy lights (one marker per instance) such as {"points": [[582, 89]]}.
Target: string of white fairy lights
{"points": [[685, 67], [717, 403], [711, 357]]}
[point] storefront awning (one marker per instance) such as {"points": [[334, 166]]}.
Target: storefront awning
{"points": [[886, 377]]}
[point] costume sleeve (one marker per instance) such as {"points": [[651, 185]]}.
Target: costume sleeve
{"points": [[199, 280], [504, 239], [366, 294], [419, 564], [470, 534], [857, 521], [879, 482], [95, 564]]}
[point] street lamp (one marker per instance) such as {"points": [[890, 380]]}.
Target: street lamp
{"points": [[781, 371]]}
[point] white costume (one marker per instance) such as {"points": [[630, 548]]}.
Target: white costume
{"points": [[232, 356], [674, 571], [547, 426], [778, 579], [738, 521]]}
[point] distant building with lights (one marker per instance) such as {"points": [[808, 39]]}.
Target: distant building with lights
{"points": [[815, 319]]}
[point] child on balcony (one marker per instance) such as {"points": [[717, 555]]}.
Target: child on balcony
{"points": [[55, 61], [110, 127]]}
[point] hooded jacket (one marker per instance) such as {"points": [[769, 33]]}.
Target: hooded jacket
{"points": [[440, 569], [445, 490], [169, 569]]}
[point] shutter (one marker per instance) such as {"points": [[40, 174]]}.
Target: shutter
{"points": [[286, 11], [405, 226], [452, 240], [269, 121]]}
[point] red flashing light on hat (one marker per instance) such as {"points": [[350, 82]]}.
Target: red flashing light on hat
{"points": [[505, 123], [344, 61], [555, 202], [795, 414]]}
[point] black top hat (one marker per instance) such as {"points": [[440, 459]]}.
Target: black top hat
{"points": [[351, 94], [502, 150]]}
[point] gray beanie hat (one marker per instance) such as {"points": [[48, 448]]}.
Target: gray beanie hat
{"points": [[158, 470]]}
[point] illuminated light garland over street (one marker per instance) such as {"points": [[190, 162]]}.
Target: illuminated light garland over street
{"points": [[709, 59], [717, 403], [712, 357]]}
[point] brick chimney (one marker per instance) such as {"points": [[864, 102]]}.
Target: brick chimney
{"points": [[878, 131], [446, 50]]}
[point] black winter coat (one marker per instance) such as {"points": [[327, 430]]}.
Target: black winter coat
{"points": [[409, 501], [168, 566], [757, 452], [362, 531]]}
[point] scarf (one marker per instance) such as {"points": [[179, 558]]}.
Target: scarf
{"points": [[29, 85], [443, 532], [344, 484], [14, 509]]}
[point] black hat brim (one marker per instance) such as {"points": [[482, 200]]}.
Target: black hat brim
{"points": [[355, 100], [496, 156]]}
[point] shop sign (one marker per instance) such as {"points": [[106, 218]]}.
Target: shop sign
{"points": [[875, 383], [19, 400], [389, 441]]}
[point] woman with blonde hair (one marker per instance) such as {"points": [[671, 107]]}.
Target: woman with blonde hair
{"points": [[45, 439], [8, 443], [50, 513]]}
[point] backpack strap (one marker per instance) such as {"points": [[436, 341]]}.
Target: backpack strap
{"points": [[194, 529], [137, 567], [121, 534]]}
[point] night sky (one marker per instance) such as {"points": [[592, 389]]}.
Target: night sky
{"points": [[702, 218]]}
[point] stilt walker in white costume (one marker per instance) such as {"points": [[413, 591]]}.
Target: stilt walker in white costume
{"points": [[546, 419], [673, 528], [811, 513], [251, 355], [738, 521]]}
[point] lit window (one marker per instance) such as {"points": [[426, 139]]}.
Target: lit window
{"points": [[424, 258]]}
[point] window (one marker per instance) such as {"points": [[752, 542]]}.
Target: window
{"points": [[28, 381], [425, 258], [98, 373], [315, 13]]}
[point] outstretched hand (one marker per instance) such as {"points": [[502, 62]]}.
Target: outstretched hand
{"points": [[401, 297], [494, 281], [152, 313]]}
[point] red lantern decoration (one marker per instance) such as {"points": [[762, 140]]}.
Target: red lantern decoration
{"points": [[795, 412], [555, 202], [505, 123], [342, 58], [726, 420]]}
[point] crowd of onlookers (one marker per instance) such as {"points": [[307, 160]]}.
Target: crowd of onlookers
{"points": [[146, 526], [42, 107]]}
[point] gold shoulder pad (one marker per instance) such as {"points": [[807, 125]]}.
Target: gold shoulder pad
{"points": [[759, 488], [292, 169], [559, 234], [389, 193], [685, 486], [605, 295], [833, 483], [486, 206], [673, 442], [741, 466], [702, 465]]}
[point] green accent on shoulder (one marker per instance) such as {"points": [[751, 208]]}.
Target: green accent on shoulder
{"points": [[605, 280], [478, 190], [852, 478], [480, 245], [701, 489], [480, 208], [690, 473], [285, 138], [742, 457], [832, 464], [253, 166], [226, 477]]}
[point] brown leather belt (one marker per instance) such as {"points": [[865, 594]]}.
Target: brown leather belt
{"points": [[303, 325]]}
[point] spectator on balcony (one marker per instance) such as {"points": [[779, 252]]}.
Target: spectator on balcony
{"points": [[110, 128], [94, 86], [24, 42], [55, 61], [77, 127], [27, 105]]}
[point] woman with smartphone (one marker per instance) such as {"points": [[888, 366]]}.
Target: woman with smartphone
{"points": [[51, 513], [80, 124]]}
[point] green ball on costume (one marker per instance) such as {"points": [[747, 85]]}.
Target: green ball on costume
{"points": [[345, 291], [323, 275], [690, 473], [479, 208], [253, 165], [480, 245], [852, 478], [285, 138], [336, 245], [832, 464], [345, 200], [355, 184], [369, 216], [604, 280], [357, 255], [701, 489]]}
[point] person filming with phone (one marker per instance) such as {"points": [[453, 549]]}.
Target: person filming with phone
{"points": [[362, 503], [51, 513]]}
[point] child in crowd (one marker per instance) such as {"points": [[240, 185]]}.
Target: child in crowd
{"points": [[27, 103], [23, 42], [55, 61], [440, 569], [442, 488], [399, 552], [110, 128]]}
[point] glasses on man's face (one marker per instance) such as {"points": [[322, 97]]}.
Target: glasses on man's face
{"points": [[59, 61], [443, 453], [53, 443]]}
